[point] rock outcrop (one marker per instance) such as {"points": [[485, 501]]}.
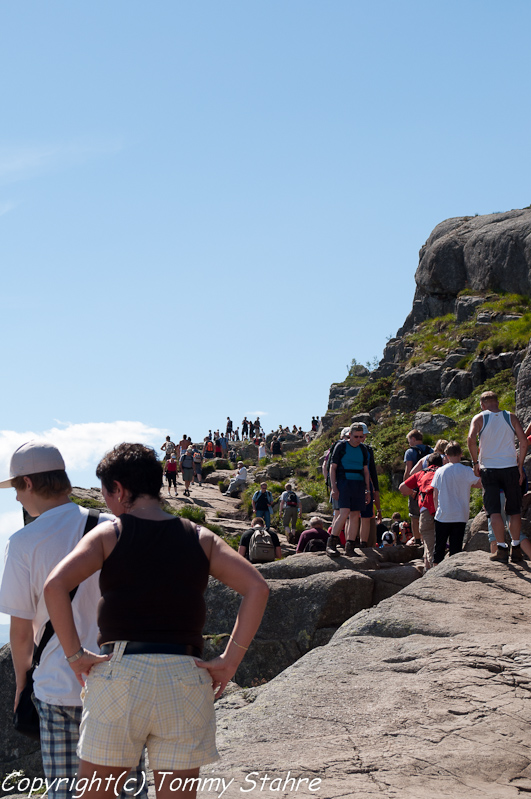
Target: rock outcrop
{"points": [[426, 696], [482, 253]]}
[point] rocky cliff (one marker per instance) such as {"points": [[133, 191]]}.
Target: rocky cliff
{"points": [[470, 321], [480, 253]]}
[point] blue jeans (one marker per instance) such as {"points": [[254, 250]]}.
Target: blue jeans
{"points": [[265, 515]]}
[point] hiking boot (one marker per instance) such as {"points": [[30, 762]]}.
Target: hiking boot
{"points": [[517, 556], [331, 546], [350, 552], [501, 555], [363, 544]]}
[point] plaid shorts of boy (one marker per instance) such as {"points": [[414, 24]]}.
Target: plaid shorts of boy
{"points": [[59, 726]]}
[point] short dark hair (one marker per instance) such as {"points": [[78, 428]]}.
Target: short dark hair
{"points": [[45, 484], [435, 459], [453, 449], [135, 466]]}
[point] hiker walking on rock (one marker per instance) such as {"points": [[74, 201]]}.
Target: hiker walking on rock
{"points": [[263, 504], [290, 510], [350, 481], [501, 468]]}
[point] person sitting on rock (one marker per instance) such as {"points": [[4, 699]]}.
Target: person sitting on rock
{"points": [[238, 481], [388, 539], [290, 510], [263, 504], [245, 540], [315, 531]]}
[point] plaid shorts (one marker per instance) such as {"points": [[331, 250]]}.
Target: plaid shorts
{"points": [[163, 701], [59, 727]]}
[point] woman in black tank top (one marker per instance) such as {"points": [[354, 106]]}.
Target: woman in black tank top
{"points": [[154, 571]]}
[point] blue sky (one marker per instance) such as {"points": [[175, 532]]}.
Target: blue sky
{"points": [[209, 209]]}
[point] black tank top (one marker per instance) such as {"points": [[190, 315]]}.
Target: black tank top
{"points": [[152, 584]]}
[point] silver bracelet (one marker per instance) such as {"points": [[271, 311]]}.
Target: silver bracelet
{"points": [[73, 658]]}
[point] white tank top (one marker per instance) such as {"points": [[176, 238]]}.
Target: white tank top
{"points": [[496, 441]]}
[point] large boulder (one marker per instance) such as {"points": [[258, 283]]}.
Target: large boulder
{"points": [[523, 390], [16, 751], [432, 423], [425, 696], [300, 614]]}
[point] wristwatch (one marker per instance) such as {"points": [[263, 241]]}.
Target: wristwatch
{"points": [[73, 658]]}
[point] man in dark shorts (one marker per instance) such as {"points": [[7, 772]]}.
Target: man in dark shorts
{"points": [[501, 468], [350, 482]]}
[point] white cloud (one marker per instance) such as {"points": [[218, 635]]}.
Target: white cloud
{"points": [[81, 445], [257, 413], [6, 207], [19, 162]]}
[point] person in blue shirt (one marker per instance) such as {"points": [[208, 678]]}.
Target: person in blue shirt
{"points": [[351, 486]]}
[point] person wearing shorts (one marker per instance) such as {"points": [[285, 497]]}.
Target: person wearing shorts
{"points": [[187, 469], [501, 468], [171, 474], [350, 481], [149, 686]]}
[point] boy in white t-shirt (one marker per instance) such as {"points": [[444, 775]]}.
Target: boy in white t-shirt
{"points": [[451, 496], [37, 473]]}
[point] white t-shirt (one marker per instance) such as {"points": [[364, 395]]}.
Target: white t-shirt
{"points": [[262, 451], [242, 473], [31, 554], [453, 483]]}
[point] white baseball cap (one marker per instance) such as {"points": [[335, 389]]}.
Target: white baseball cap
{"points": [[33, 457]]}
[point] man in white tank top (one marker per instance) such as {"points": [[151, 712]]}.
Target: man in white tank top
{"points": [[500, 467]]}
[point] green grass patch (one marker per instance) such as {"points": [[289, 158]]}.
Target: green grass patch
{"points": [[506, 336], [88, 502]]}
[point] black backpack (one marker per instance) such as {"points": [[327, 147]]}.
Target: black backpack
{"points": [[292, 500]]}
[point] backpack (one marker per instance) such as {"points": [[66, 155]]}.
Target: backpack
{"points": [[276, 448], [197, 457], [187, 462], [340, 449], [292, 500], [424, 483], [209, 448], [261, 547], [422, 450], [315, 545]]}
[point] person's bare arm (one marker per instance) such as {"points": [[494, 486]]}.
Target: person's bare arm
{"points": [[416, 468], [21, 640], [333, 481], [522, 445], [86, 559], [472, 441], [407, 470], [278, 553], [240, 575], [406, 490]]}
